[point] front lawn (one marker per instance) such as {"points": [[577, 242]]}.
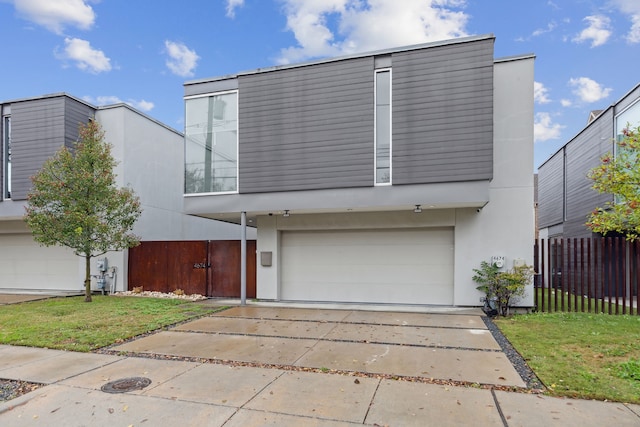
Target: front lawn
{"points": [[72, 324], [580, 355]]}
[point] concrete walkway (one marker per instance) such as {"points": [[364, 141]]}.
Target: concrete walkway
{"points": [[257, 366]]}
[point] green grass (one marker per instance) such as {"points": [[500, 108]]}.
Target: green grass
{"points": [[579, 303], [581, 355], [72, 324]]}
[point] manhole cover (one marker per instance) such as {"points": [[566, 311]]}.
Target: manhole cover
{"points": [[126, 384]]}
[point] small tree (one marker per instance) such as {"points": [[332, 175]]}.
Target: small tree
{"points": [[619, 175], [74, 201]]}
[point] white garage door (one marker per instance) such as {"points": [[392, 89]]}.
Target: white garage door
{"points": [[26, 265], [413, 266]]}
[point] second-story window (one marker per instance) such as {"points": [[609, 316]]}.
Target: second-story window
{"points": [[6, 156], [211, 143], [383, 127]]}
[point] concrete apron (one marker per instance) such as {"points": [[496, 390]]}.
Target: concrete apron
{"points": [[445, 347]]}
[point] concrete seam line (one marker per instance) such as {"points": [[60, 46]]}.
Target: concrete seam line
{"points": [[495, 399]]}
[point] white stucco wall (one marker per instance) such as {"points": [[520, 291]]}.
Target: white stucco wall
{"points": [[505, 226]]}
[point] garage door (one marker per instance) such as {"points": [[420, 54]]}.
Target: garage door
{"points": [[412, 266], [26, 265]]}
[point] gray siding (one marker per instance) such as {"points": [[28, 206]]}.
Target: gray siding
{"points": [[443, 114], [583, 154], [39, 127], [551, 191], [75, 114], [307, 128]]}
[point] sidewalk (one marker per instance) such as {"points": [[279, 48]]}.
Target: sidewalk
{"points": [[231, 393]]}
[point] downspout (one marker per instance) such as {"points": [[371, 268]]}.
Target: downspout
{"points": [[243, 258]]}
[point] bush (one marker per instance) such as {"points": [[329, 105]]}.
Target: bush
{"points": [[503, 288]]}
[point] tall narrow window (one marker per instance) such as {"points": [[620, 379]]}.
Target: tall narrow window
{"points": [[211, 143], [383, 127], [6, 156]]}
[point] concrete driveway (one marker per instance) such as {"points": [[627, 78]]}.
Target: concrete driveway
{"points": [[450, 346], [259, 366]]}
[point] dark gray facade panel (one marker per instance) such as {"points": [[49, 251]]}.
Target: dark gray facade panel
{"points": [[75, 114], [583, 154], [432, 91], [39, 127], [37, 132], [289, 116], [551, 191], [574, 228]]}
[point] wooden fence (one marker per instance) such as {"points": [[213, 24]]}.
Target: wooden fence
{"points": [[596, 275]]}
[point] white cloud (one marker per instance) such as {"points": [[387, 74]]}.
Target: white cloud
{"points": [[540, 31], [232, 5], [540, 93], [588, 90], [333, 27], [54, 15], [544, 128], [566, 102], [598, 30], [634, 33], [141, 105], [182, 61], [632, 9], [85, 57]]}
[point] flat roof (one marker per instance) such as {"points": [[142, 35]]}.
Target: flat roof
{"points": [[352, 56]]}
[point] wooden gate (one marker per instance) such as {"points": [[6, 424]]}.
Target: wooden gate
{"points": [[210, 268]]}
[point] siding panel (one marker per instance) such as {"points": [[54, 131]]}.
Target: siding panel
{"points": [[443, 103], [307, 128], [39, 127], [583, 154], [551, 191]]}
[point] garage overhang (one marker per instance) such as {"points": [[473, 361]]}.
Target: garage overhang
{"points": [[228, 207]]}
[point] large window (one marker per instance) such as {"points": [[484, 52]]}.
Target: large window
{"points": [[383, 127], [6, 157], [629, 117], [211, 150]]}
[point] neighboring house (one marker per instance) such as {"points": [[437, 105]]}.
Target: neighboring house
{"points": [[565, 196], [382, 177], [150, 159]]}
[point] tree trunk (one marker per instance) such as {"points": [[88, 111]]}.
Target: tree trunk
{"points": [[87, 278]]}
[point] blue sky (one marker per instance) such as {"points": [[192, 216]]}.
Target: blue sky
{"points": [[142, 51]]}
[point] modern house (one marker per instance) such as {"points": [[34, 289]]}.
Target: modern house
{"points": [[565, 196], [382, 177], [150, 159]]}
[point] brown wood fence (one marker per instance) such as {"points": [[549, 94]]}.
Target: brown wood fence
{"points": [[596, 275], [205, 267]]}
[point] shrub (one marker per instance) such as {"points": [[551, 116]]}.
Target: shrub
{"points": [[503, 288]]}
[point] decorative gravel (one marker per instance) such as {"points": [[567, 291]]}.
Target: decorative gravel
{"points": [[518, 362], [154, 294], [10, 389]]}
